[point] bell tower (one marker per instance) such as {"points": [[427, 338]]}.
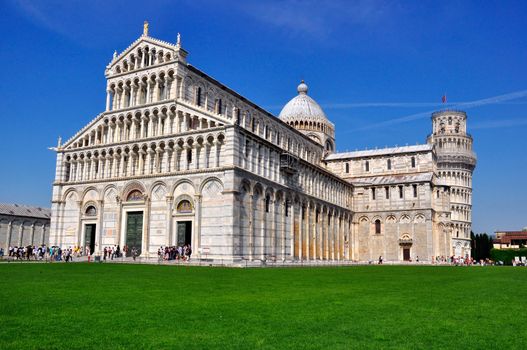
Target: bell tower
{"points": [[456, 162]]}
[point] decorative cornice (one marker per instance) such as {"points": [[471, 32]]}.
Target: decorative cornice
{"points": [[142, 69], [148, 139], [137, 177]]}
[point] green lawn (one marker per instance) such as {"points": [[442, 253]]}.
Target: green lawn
{"points": [[105, 306]]}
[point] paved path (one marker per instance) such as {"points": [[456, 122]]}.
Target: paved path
{"points": [[219, 262]]}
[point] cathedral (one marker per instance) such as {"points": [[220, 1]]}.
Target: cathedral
{"points": [[179, 158]]}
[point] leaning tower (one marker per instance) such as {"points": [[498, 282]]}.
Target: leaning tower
{"points": [[455, 163]]}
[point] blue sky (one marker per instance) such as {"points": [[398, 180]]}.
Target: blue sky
{"points": [[378, 68]]}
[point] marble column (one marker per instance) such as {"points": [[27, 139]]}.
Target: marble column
{"points": [[332, 235], [263, 228], [170, 154], [109, 94], [100, 228], [150, 127], [251, 227], [72, 164], [273, 228], [308, 231], [217, 153], [159, 126], [292, 215], [79, 232], [300, 232], [196, 156], [127, 94], [186, 116], [148, 98], [169, 234], [142, 129], [283, 223], [130, 164], [146, 227], [158, 88], [326, 235]]}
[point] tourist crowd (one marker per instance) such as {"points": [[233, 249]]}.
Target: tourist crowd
{"points": [[450, 260], [55, 253], [41, 252], [175, 253], [461, 261]]}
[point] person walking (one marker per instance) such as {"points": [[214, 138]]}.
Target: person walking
{"points": [[188, 252]]}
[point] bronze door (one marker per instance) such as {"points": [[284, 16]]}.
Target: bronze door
{"points": [[89, 237], [134, 232], [184, 233]]}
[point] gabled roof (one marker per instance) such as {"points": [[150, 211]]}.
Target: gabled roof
{"points": [[142, 39], [84, 128], [24, 210], [379, 152], [391, 179]]}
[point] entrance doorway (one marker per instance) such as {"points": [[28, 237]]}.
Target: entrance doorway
{"points": [[134, 232], [89, 237], [184, 233], [406, 254]]}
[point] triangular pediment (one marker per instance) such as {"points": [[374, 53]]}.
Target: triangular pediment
{"points": [[86, 130], [142, 41]]}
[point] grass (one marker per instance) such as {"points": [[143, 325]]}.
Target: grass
{"points": [[95, 306]]}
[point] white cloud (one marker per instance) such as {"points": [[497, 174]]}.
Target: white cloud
{"points": [[34, 12], [316, 18], [500, 123], [462, 105]]}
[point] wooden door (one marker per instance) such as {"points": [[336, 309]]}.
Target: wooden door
{"points": [[406, 254]]}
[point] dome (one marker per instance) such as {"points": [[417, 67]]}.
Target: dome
{"points": [[302, 108]]}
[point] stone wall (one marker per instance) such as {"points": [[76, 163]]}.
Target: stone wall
{"points": [[22, 231]]}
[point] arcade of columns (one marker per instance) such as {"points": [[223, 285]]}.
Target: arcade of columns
{"points": [[318, 231], [194, 152]]}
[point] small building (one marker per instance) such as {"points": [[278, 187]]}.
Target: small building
{"points": [[510, 239], [22, 225]]}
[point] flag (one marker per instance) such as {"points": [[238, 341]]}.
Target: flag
{"points": [[443, 98]]}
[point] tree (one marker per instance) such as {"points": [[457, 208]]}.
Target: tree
{"points": [[472, 244], [481, 244]]}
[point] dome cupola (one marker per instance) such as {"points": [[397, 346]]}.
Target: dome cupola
{"points": [[306, 115], [302, 108]]}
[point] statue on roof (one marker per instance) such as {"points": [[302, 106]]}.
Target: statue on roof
{"points": [[178, 42], [145, 28]]}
